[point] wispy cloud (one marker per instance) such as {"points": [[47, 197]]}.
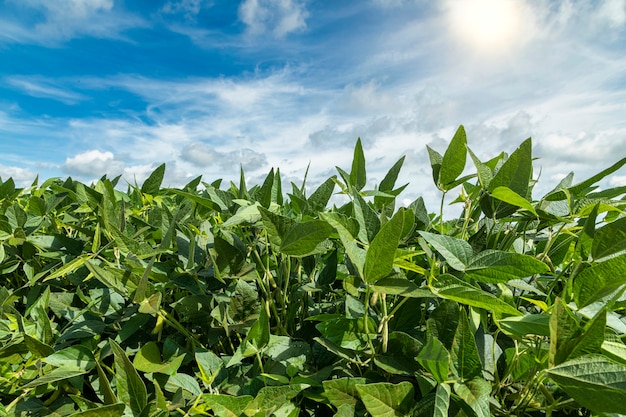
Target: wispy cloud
{"points": [[278, 17], [43, 88], [54, 22]]}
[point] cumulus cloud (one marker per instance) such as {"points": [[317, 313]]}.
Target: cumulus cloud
{"points": [[93, 163], [280, 17], [21, 176], [199, 154]]}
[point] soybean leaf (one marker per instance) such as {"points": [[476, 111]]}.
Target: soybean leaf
{"points": [[579, 189], [382, 251], [152, 184], [522, 326], [130, 387], [615, 351], [442, 400], [74, 357], [148, 359], [269, 399], [451, 288], [434, 357], [369, 223], [400, 286], [111, 410], [476, 394], [456, 252], [342, 391], [387, 400], [453, 161], [259, 334], [464, 352], [355, 253], [320, 197], [509, 196], [304, 238], [496, 266], [594, 381], [227, 405], [599, 280], [58, 374], [358, 174], [435, 163], [609, 239]]}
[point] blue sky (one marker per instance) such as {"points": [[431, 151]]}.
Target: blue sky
{"points": [[93, 87]]}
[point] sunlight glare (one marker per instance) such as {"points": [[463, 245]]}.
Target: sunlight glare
{"points": [[486, 25]]}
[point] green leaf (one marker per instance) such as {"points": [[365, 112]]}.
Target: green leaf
{"points": [[609, 239], [355, 253], [442, 400], [152, 184], [342, 391], [434, 357], [130, 387], [484, 172], [451, 288], [384, 399], [320, 197], [515, 174], [456, 252], [111, 410], [599, 280], [58, 374], [148, 359], [358, 174], [369, 223], [581, 188], [522, 326], [453, 161], [227, 405], [615, 351], [464, 352], [476, 394], [74, 357], [259, 334], [511, 197], [382, 251], [495, 266], [269, 399], [435, 163], [304, 238], [400, 286], [594, 381]]}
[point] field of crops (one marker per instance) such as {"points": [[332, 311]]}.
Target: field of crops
{"points": [[227, 300]]}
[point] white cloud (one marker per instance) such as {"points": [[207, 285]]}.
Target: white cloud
{"points": [[280, 17], [200, 155], [42, 88], [93, 163], [62, 20], [21, 176], [188, 8]]}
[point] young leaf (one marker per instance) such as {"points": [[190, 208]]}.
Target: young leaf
{"points": [[152, 184], [381, 253], [453, 161], [581, 188], [434, 357], [511, 197], [358, 174], [384, 399], [435, 163], [320, 197]]}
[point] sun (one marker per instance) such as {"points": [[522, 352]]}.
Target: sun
{"points": [[486, 25]]}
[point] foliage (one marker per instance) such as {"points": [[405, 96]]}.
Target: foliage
{"points": [[237, 301]]}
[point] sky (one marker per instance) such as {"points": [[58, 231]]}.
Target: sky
{"points": [[95, 87]]}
